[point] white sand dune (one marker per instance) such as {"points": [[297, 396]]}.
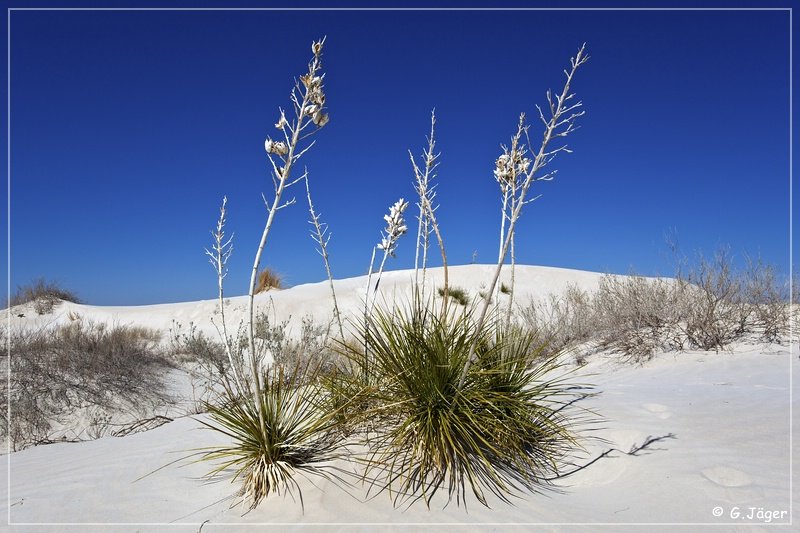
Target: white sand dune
{"points": [[314, 299], [725, 418]]}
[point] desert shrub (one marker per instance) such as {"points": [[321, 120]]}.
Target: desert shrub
{"points": [[726, 303], [707, 306], [268, 279], [297, 435], [768, 299], [311, 348], [81, 364], [561, 321], [502, 431], [716, 313], [204, 359], [636, 316], [456, 293], [44, 294], [193, 345]]}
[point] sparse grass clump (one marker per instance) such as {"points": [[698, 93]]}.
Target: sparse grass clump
{"points": [[502, 431], [44, 294], [268, 279], [457, 294]]}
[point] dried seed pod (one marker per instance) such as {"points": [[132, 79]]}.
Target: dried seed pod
{"points": [[275, 147], [282, 122], [320, 118]]}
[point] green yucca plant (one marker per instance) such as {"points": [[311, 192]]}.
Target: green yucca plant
{"points": [[458, 294], [505, 430], [299, 435]]}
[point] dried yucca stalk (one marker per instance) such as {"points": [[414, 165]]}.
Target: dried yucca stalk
{"points": [[563, 114], [308, 104], [219, 254], [427, 218]]}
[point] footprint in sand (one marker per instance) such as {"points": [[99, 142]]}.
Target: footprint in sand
{"points": [[661, 411], [726, 476]]}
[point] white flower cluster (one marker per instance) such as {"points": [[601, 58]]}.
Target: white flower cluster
{"points": [[510, 165], [395, 227]]}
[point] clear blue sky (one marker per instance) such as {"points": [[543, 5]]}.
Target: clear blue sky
{"points": [[127, 128]]}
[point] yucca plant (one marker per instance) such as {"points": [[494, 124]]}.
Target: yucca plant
{"points": [[298, 435], [277, 424], [505, 430]]}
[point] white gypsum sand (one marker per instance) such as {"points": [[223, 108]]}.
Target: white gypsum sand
{"points": [[725, 418]]}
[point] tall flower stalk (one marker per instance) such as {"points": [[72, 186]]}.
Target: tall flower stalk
{"points": [[510, 171], [427, 217], [563, 114], [276, 419], [426, 193], [308, 104], [395, 228], [219, 254]]}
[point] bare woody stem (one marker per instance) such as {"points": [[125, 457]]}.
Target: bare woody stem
{"points": [[366, 316], [557, 119], [282, 179], [513, 281], [511, 166], [503, 217]]}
